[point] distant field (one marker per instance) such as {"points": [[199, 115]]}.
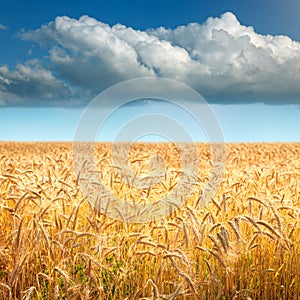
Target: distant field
{"points": [[245, 244]]}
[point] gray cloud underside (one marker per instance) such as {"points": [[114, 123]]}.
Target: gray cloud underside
{"points": [[223, 60]]}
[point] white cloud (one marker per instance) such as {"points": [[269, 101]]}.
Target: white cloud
{"points": [[222, 59], [30, 82], [88, 53], [237, 60], [3, 27]]}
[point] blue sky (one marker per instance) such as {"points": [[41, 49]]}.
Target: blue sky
{"points": [[242, 56]]}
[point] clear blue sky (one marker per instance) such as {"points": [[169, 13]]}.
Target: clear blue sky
{"points": [[245, 63]]}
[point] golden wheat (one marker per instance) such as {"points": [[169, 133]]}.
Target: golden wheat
{"points": [[244, 244]]}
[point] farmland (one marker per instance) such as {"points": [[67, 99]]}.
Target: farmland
{"points": [[244, 244]]}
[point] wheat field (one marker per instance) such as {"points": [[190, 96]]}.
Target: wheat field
{"points": [[244, 244]]}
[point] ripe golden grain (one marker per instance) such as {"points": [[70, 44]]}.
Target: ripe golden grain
{"points": [[54, 244]]}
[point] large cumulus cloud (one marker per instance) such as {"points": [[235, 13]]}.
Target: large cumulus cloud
{"points": [[222, 59]]}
